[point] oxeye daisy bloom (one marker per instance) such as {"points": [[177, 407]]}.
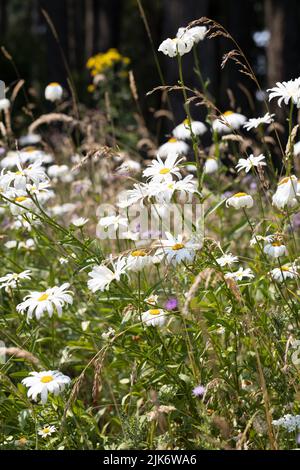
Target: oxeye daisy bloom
{"points": [[154, 317], [176, 46], [46, 431], [248, 163], [31, 154], [53, 91], [4, 104], [275, 249], [297, 149], [42, 383], [138, 194], [151, 300], [34, 173], [101, 276], [160, 171], [197, 33], [286, 192], [11, 280], [137, 260], [284, 272], [183, 130], [176, 250], [286, 91], [80, 222], [228, 121], [228, 259], [60, 173], [164, 191], [240, 200], [211, 166], [50, 300], [30, 139], [19, 201], [240, 274], [172, 146], [114, 221], [254, 123]]}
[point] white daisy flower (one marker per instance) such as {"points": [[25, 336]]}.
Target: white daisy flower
{"points": [[42, 383], [227, 259], [176, 250], [197, 33], [20, 203], [114, 221], [159, 171], [11, 280], [275, 249], [63, 209], [211, 166], [34, 173], [286, 91], [30, 139], [129, 167], [137, 260], [101, 276], [240, 200], [164, 191], [46, 431], [228, 121], [284, 272], [289, 422], [179, 45], [254, 123], [183, 130], [240, 274], [4, 104], [53, 91], [80, 222], [31, 154], [297, 149], [285, 195], [154, 317], [248, 163], [52, 299], [173, 145], [257, 238], [151, 300], [60, 173]]}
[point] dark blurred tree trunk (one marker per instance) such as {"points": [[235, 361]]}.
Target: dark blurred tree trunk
{"points": [[106, 24], [3, 17], [57, 11]]}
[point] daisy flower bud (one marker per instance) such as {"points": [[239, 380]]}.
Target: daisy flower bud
{"points": [[53, 92], [240, 200]]}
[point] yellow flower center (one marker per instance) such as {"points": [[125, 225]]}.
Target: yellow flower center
{"points": [[228, 113], [43, 297], [276, 244], [284, 180], [46, 379], [137, 253], [285, 268], [21, 198], [46, 430], [54, 84], [164, 171], [19, 172], [172, 140], [177, 246], [29, 149], [240, 194], [186, 122], [154, 311]]}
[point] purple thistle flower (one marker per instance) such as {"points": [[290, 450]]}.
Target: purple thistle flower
{"points": [[171, 303]]}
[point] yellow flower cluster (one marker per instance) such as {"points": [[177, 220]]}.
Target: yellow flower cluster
{"points": [[105, 60]]}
